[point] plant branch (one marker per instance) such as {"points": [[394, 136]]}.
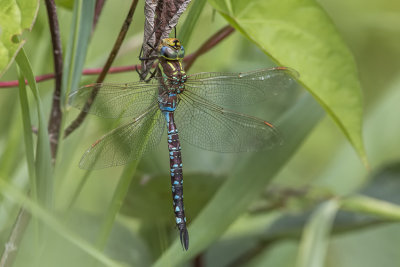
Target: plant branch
{"points": [[11, 247], [124, 29], [55, 114]]}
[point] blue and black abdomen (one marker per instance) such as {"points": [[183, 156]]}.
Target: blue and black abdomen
{"points": [[174, 148]]}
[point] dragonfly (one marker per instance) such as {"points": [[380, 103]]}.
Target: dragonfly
{"points": [[195, 104]]}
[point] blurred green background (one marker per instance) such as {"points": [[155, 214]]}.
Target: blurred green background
{"points": [[270, 232]]}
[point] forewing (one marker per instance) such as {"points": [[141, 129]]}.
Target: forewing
{"points": [[278, 85], [126, 143], [115, 100], [213, 128]]}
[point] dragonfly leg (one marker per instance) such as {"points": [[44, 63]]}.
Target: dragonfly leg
{"points": [[148, 58]]}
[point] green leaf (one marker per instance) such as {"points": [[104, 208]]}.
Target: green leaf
{"points": [[78, 41], [15, 17], [43, 163], [65, 3], [299, 34], [190, 21], [240, 190], [314, 243], [81, 30], [27, 125]]}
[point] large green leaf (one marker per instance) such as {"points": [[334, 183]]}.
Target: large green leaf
{"points": [[15, 17], [299, 34]]}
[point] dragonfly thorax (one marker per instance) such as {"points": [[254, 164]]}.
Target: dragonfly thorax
{"points": [[171, 55], [174, 77]]}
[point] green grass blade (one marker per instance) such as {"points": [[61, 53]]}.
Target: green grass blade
{"points": [[26, 121], [314, 243], [300, 35], [194, 13], [80, 33], [240, 190], [43, 165], [15, 195]]}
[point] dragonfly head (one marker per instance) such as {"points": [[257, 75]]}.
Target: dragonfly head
{"points": [[171, 49]]}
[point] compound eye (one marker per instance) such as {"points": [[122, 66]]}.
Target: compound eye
{"points": [[181, 52], [168, 52]]}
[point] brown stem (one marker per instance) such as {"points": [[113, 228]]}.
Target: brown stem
{"points": [[55, 114], [207, 45], [124, 29]]}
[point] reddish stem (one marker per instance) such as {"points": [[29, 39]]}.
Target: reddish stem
{"points": [[91, 71], [210, 43]]}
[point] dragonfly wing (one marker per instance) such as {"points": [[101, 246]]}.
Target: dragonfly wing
{"points": [[213, 128], [115, 100], [229, 89], [125, 143]]}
